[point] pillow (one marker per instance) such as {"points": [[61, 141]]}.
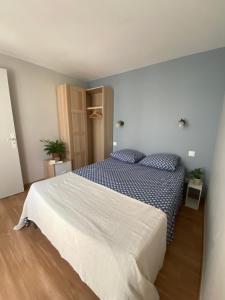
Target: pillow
{"points": [[163, 161], [128, 155]]}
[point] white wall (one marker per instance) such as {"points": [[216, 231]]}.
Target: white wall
{"points": [[33, 97], [213, 274]]}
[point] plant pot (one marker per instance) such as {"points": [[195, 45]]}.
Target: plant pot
{"points": [[56, 156], [197, 181]]}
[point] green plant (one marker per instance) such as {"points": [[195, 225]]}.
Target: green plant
{"points": [[52, 147], [196, 173]]}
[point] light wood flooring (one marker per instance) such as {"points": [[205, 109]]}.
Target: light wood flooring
{"points": [[32, 269]]}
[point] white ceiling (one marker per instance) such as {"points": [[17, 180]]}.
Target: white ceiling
{"points": [[90, 39]]}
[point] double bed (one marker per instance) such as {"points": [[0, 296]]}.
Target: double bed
{"points": [[159, 188], [110, 220]]}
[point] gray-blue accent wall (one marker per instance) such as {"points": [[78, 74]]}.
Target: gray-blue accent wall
{"points": [[152, 99]]}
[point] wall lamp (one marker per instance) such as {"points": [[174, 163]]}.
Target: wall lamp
{"points": [[182, 123], [119, 124]]}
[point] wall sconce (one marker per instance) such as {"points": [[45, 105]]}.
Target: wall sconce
{"points": [[119, 124], [181, 123]]}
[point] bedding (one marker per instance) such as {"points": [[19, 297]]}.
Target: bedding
{"points": [[163, 161], [128, 155], [159, 188], [115, 243]]}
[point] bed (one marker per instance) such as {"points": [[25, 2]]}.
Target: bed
{"points": [[159, 188], [92, 217]]}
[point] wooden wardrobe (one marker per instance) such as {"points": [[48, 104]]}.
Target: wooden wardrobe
{"points": [[85, 118]]}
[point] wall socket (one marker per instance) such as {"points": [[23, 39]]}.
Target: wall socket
{"points": [[115, 144], [191, 153]]}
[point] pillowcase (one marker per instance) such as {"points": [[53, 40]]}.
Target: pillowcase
{"points": [[163, 161], [128, 155]]}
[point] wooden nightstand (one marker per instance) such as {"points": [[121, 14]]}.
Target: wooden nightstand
{"points": [[51, 170], [193, 195]]}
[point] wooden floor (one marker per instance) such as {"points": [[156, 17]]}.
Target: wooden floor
{"points": [[31, 268]]}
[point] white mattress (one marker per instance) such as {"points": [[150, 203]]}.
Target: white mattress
{"points": [[115, 243]]}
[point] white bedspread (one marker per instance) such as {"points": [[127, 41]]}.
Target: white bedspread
{"points": [[115, 243]]}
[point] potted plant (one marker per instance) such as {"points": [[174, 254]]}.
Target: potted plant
{"points": [[55, 148], [196, 176]]}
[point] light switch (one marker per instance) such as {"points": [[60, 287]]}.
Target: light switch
{"points": [[115, 144], [191, 153]]}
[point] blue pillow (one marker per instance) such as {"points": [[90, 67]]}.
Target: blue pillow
{"points": [[128, 155], [163, 161]]}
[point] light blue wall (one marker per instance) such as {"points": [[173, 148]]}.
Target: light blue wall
{"points": [[151, 100]]}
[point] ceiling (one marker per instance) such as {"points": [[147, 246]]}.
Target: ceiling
{"points": [[90, 39]]}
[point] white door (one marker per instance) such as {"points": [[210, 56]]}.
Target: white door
{"points": [[11, 181]]}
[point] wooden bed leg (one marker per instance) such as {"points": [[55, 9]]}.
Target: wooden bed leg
{"points": [[27, 223]]}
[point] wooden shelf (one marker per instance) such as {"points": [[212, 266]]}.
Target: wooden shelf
{"points": [[96, 90], [94, 107]]}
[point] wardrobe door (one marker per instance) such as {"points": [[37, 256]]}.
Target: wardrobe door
{"points": [[78, 127], [108, 121], [64, 118]]}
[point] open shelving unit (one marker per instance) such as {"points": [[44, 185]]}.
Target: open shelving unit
{"points": [[85, 123]]}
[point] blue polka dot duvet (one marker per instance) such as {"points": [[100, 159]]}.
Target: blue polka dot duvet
{"points": [[159, 188]]}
